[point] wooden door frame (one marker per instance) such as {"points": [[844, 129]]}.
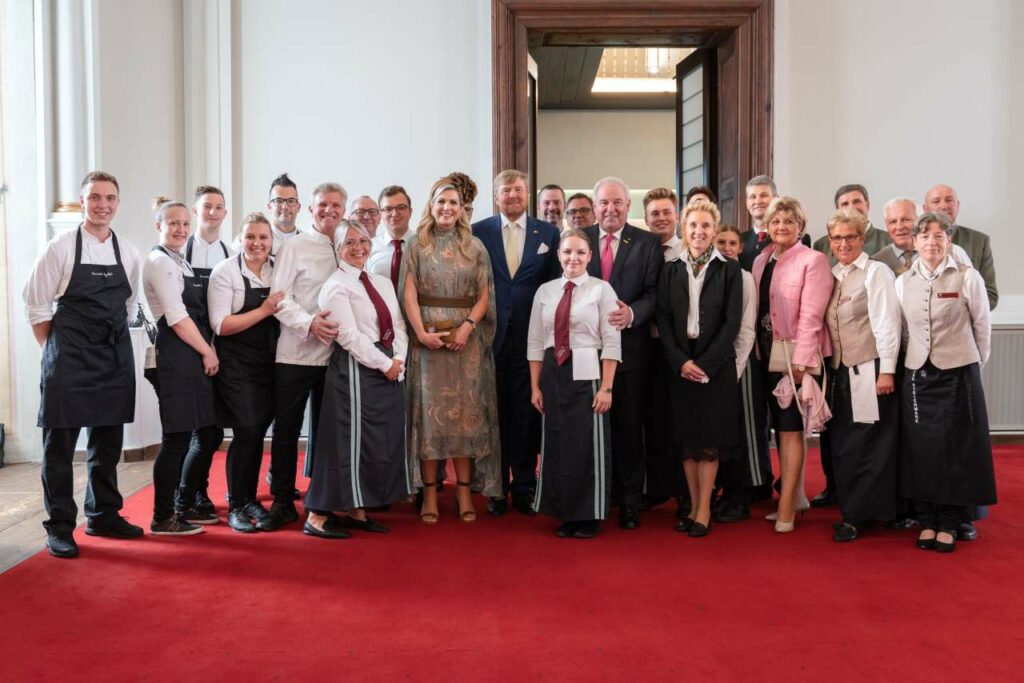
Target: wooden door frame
{"points": [[512, 20]]}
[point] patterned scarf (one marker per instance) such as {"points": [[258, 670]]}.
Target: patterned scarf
{"points": [[700, 261]]}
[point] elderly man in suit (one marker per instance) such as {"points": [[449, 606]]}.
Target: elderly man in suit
{"points": [[629, 259], [976, 243], [855, 197], [900, 216], [524, 255]]}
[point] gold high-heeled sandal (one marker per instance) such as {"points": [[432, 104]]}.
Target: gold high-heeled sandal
{"points": [[428, 517], [465, 515]]}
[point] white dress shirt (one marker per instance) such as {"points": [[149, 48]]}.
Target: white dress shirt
{"points": [[163, 280], [300, 270], [589, 331], [225, 295], [674, 251], [696, 285], [382, 250], [745, 338], [884, 311], [52, 272], [281, 237], [207, 254], [956, 251], [349, 304], [974, 293]]}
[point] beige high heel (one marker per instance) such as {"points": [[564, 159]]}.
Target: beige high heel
{"points": [[784, 527], [803, 507]]}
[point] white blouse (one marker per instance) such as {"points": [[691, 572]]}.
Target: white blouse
{"points": [[300, 270], [225, 294], [52, 272], [163, 280], [696, 285], [589, 330], [349, 304]]}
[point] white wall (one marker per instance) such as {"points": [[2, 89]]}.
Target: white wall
{"points": [[324, 97], [901, 96], [575, 149]]}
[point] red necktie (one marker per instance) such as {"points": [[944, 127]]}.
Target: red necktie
{"points": [[562, 351], [396, 262], [387, 328], [607, 258], [762, 237]]}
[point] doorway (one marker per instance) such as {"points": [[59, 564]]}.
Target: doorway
{"points": [[731, 59]]}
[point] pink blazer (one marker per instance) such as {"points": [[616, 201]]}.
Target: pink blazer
{"points": [[800, 290]]}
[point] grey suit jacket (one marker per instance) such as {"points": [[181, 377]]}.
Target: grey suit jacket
{"points": [[979, 247]]}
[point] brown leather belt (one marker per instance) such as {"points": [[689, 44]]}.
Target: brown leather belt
{"points": [[443, 302]]}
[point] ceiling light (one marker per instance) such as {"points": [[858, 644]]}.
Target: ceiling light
{"points": [[633, 85]]}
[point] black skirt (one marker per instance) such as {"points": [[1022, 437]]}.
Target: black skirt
{"points": [[946, 453], [360, 442], [707, 417], [864, 456], [576, 448]]}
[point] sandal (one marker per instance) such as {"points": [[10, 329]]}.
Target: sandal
{"points": [[429, 517], [467, 515]]}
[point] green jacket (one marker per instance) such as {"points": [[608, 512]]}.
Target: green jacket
{"points": [[874, 240], [979, 247]]}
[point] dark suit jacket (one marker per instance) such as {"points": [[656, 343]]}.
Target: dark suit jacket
{"points": [[752, 248], [514, 296], [635, 281], [720, 310]]}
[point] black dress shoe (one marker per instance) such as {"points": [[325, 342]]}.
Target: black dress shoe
{"points": [[566, 530], [259, 515], [629, 517], [824, 499], [497, 507], [732, 512], [283, 513], [329, 531], [844, 532], [967, 532], [523, 503], [586, 529], [683, 524], [113, 526], [698, 530], [368, 524], [61, 544], [238, 520]]}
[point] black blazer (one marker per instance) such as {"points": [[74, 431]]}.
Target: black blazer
{"points": [[635, 281], [752, 248], [514, 295], [721, 309]]}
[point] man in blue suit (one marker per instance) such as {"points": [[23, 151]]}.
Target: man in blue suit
{"points": [[524, 255]]}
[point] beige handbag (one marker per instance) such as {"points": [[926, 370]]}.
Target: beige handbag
{"points": [[782, 352]]}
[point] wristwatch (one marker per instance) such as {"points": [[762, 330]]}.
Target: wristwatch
{"points": [[607, 390]]}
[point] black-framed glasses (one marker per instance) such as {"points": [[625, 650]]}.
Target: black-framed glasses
{"points": [[366, 213], [578, 212], [401, 208], [290, 201]]}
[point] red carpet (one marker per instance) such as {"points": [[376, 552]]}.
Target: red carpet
{"points": [[506, 600]]}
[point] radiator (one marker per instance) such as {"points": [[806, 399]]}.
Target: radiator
{"points": [[1003, 377]]}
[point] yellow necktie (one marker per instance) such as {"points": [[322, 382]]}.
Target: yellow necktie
{"points": [[512, 249]]}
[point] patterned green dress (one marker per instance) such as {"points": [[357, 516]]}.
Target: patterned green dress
{"points": [[452, 401]]}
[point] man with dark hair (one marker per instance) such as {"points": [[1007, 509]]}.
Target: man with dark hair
{"points": [[283, 208], [760, 191], [551, 205], [855, 196], [79, 297], [524, 255], [579, 211], [389, 245]]}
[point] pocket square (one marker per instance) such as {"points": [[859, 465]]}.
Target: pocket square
{"points": [[543, 248]]}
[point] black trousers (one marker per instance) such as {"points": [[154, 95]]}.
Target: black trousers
{"points": [[519, 424], [825, 445], [101, 494], [941, 517], [294, 385], [245, 454], [627, 423], [182, 462]]}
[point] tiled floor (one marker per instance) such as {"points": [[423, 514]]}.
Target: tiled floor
{"points": [[21, 505]]}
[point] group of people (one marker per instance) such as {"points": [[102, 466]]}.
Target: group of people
{"points": [[568, 368]]}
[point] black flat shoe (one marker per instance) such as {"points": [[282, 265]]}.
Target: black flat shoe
{"points": [[586, 529], [925, 543], [566, 530], [329, 531], [113, 526], [844, 532], [61, 544], [371, 525], [697, 530], [497, 507], [683, 525], [941, 547]]}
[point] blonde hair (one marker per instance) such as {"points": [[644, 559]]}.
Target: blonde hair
{"points": [[427, 225], [790, 204], [851, 217], [704, 205], [253, 218], [573, 232], [162, 203], [342, 231]]}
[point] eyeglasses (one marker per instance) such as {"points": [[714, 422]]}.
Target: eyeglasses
{"points": [[399, 208], [366, 213], [290, 201], [578, 212], [849, 239]]}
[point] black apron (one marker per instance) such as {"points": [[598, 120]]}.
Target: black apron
{"points": [[186, 393], [202, 274], [245, 381], [88, 369]]}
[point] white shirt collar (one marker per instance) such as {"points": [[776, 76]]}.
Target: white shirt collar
{"points": [[349, 269], [943, 267], [672, 242], [617, 234], [521, 221], [859, 262], [578, 281]]}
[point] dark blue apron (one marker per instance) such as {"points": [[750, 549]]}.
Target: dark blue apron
{"points": [[88, 369]]}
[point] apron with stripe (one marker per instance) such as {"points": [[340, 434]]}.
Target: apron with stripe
{"points": [[576, 447], [360, 441]]}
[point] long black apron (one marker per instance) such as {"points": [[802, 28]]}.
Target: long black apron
{"points": [[186, 393], [245, 381], [360, 441], [88, 373]]}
